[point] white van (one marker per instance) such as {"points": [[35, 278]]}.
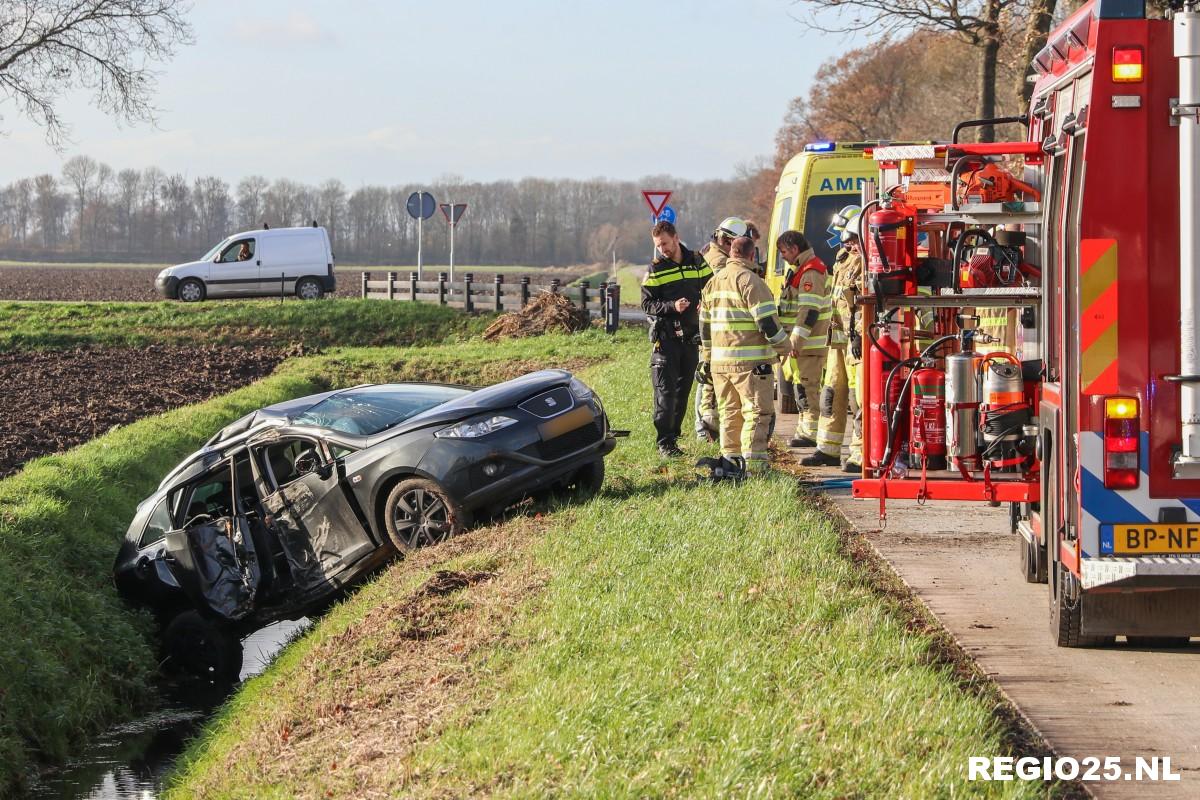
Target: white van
{"points": [[266, 263]]}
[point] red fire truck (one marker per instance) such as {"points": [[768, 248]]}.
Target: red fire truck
{"points": [[1031, 310]]}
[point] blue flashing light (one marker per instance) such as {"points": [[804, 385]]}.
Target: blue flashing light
{"points": [[819, 147]]}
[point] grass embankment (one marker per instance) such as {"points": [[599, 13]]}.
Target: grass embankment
{"points": [[629, 278], [665, 638], [331, 322], [74, 660]]}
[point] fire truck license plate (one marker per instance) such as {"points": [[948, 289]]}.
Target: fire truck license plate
{"points": [[1155, 538]]}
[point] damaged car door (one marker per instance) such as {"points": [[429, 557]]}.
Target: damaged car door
{"points": [[307, 509], [212, 555]]}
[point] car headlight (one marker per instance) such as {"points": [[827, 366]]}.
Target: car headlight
{"points": [[473, 429], [580, 389]]}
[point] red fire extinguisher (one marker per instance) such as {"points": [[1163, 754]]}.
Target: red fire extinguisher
{"points": [[927, 417], [891, 250], [882, 355]]}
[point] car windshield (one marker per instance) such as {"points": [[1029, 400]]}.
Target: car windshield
{"points": [[365, 412], [211, 254]]}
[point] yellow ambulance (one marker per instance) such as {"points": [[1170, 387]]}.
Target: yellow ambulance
{"points": [[814, 185]]}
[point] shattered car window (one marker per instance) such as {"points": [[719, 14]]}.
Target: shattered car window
{"points": [[365, 412]]}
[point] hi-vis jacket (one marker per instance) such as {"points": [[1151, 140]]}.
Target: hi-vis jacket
{"points": [[714, 257], [739, 324], [804, 304], [666, 282], [847, 275]]}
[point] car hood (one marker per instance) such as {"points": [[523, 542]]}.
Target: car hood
{"points": [[492, 398], [169, 271]]}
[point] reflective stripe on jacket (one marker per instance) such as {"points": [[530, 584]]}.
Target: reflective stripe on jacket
{"points": [[847, 275], [739, 322], [666, 282], [804, 304]]}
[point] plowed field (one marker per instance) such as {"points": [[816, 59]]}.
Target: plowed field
{"points": [[54, 400]]}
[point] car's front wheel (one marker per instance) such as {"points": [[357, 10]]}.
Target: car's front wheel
{"points": [[418, 512], [588, 479], [191, 290], [197, 646]]}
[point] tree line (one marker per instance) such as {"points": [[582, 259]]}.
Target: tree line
{"points": [[94, 212]]}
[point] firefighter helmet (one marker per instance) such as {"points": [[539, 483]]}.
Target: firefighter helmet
{"points": [[845, 222], [732, 227]]}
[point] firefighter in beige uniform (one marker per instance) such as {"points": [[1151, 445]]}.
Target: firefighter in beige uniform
{"points": [[804, 311], [741, 341], [841, 392], [716, 253]]}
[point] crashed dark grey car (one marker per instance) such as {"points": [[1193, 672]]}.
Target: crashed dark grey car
{"points": [[283, 509]]}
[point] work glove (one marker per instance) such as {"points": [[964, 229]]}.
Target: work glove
{"points": [[704, 373], [856, 344]]}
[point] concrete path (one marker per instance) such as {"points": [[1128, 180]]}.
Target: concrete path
{"points": [[961, 561]]}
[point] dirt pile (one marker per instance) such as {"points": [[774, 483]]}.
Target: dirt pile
{"points": [[546, 313], [58, 399]]}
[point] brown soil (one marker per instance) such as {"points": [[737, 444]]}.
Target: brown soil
{"points": [[546, 313], [56, 400]]}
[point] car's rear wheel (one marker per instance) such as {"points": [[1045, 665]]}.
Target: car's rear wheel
{"points": [[418, 512], [191, 290], [309, 289], [197, 646]]}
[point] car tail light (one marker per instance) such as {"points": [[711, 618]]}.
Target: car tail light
{"points": [[1122, 435], [1127, 65]]}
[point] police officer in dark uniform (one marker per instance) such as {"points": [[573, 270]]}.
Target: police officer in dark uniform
{"points": [[671, 299]]}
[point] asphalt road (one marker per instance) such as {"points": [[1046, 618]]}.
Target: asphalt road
{"points": [[962, 562]]}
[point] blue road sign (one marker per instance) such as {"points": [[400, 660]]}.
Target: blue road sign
{"points": [[666, 215], [421, 205]]}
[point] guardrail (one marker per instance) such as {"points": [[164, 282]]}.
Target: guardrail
{"points": [[492, 295]]}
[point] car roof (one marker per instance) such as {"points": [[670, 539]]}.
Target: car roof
{"points": [[276, 231]]}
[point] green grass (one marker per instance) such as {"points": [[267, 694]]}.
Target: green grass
{"points": [[73, 659], [630, 280], [690, 640], [593, 278], [326, 323]]}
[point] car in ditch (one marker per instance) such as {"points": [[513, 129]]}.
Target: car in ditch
{"points": [[288, 506]]}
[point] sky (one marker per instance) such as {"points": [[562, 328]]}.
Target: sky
{"points": [[371, 91]]}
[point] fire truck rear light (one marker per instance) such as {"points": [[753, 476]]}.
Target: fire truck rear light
{"points": [[1122, 436], [1127, 65], [1121, 408], [1125, 461]]}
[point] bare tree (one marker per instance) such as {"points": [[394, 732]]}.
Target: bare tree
{"points": [[79, 173], [129, 187], [50, 206], [1037, 28], [332, 206], [50, 47], [977, 22], [22, 207], [250, 193]]}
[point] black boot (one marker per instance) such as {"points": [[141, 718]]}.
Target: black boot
{"points": [[819, 459], [669, 450], [801, 441]]}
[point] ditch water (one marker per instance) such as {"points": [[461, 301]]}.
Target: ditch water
{"points": [[130, 761]]}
